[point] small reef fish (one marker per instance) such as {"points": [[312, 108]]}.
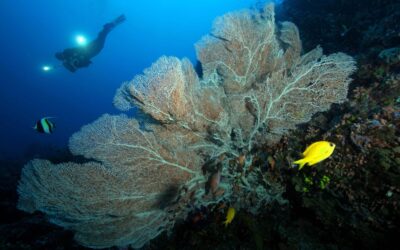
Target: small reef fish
{"points": [[229, 216], [44, 126], [316, 152]]}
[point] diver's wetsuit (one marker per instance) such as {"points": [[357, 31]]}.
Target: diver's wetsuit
{"points": [[79, 57]]}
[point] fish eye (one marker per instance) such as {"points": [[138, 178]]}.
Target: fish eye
{"points": [[331, 144]]}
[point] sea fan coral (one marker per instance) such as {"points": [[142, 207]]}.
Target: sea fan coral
{"points": [[255, 87]]}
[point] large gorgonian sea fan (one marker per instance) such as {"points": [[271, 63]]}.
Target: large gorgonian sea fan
{"points": [[255, 87]]}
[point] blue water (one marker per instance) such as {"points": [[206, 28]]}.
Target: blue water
{"points": [[32, 31]]}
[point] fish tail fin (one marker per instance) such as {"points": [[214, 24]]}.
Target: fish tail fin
{"points": [[225, 223], [301, 163]]}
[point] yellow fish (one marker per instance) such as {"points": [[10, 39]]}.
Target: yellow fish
{"points": [[316, 152], [229, 216]]}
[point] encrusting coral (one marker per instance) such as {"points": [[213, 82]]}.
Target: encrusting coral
{"points": [[255, 87]]}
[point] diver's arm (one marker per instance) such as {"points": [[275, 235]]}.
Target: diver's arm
{"points": [[67, 54], [69, 66], [84, 63]]}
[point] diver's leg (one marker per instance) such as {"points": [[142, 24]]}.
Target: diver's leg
{"points": [[97, 45], [113, 24], [110, 26]]}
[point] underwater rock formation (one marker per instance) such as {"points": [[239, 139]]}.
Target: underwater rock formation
{"points": [[256, 86], [352, 26]]}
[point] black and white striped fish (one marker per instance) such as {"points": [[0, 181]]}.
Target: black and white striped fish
{"points": [[44, 126]]}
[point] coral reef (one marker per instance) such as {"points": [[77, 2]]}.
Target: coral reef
{"points": [[352, 26], [362, 196], [143, 176]]}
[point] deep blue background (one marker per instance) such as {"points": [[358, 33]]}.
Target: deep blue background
{"points": [[32, 31]]}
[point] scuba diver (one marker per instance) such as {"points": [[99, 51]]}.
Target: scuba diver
{"points": [[79, 57]]}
